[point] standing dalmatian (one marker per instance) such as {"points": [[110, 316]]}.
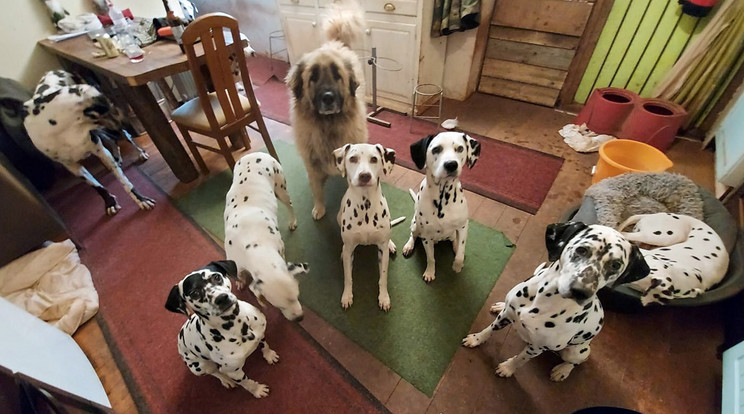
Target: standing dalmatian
{"points": [[364, 216], [557, 308], [68, 122], [221, 331], [441, 210]]}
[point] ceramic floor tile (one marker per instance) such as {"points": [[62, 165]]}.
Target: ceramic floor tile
{"points": [[406, 399]]}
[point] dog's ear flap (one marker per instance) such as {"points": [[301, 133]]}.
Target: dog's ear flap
{"points": [[418, 151], [176, 302], [298, 269], [353, 83], [339, 156], [226, 267], [294, 79], [636, 269], [558, 235], [388, 158], [474, 149]]}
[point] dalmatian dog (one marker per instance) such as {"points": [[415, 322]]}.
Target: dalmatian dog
{"points": [[686, 256], [252, 237], [221, 331], [68, 121], [557, 308], [364, 216], [441, 210]]}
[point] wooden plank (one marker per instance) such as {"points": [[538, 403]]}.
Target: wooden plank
{"points": [[584, 51], [555, 16], [534, 37], [549, 57], [517, 90], [611, 27], [520, 72]]}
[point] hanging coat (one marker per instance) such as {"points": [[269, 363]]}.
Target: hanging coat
{"points": [[454, 16]]}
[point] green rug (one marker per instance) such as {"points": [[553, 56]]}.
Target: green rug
{"points": [[419, 336]]}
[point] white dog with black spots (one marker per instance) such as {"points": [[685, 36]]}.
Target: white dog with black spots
{"points": [[557, 308], [221, 331], [686, 256], [364, 216], [441, 210], [68, 121], [252, 237]]}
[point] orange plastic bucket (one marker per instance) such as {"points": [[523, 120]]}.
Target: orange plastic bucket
{"points": [[620, 156]]}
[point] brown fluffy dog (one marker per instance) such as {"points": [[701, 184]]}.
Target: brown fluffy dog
{"points": [[327, 101]]}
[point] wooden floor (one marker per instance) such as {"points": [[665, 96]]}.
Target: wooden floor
{"points": [[624, 363]]}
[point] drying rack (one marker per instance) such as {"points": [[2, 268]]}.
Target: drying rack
{"points": [[374, 62]]}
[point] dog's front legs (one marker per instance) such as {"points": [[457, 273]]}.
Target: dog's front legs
{"points": [[280, 189], [501, 321], [144, 203], [459, 246], [238, 376], [112, 207], [268, 354], [347, 255], [383, 258], [507, 368], [430, 263], [572, 355], [317, 180]]}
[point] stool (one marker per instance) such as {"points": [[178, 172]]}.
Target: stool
{"points": [[426, 92]]}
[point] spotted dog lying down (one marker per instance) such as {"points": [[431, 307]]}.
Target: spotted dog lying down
{"points": [[557, 308], [252, 237], [364, 216], [441, 210], [691, 257], [221, 331], [68, 121]]}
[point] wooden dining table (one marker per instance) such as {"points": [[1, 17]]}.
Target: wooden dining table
{"points": [[162, 58]]}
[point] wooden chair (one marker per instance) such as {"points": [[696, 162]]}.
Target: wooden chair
{"points": [[223, 111]]}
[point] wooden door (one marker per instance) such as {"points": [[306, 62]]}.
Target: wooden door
{"points": [[395, 41], [303, 33], [535, 47]]}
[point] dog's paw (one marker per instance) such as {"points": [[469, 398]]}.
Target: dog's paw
{"points": [[505, 369], [144, 203], [270, 356], [560, 372], [391, 247], [318, 212], [258, 390], [408, 248], [293, 225], [383, 299], [347, 299], [143, 156], [497, 307], [429, 276], [472, 340], [112, 210], [227, 382], [457, 265]]}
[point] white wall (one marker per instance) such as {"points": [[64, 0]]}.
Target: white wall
{"points": [[257, 18], [24, 22]]}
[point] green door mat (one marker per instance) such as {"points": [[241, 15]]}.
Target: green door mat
{"points": [[426, 323]]}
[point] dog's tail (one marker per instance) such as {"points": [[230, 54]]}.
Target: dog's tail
{"points": [[412, 193], [630, 220], [345, 22]]}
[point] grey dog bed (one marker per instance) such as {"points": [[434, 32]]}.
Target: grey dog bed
{"points": [[718, 218]]}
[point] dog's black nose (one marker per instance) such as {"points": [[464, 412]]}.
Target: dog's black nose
{"points": [[328, 98], [222, 299], [450, 166], [298, 319], [365, 177], [580, 294]]}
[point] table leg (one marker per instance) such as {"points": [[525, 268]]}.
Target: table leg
{"points": [[156, 124]]}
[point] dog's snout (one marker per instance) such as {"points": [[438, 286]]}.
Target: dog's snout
{"points": [[222, 299], [580, 293], [328, 98], [364, 178], [299, 318], [450, 166]]}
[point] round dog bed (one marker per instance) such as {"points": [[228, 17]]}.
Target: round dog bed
{"points": [[718, 218]]}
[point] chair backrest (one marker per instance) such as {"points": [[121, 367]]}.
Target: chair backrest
{"points": [[218, 52]]}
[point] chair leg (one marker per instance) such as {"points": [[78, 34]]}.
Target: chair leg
{"points": [[226, 152], [265, 135], [246, 138], [194, 150]]}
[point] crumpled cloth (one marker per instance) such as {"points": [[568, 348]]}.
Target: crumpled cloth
{"points": [[581, 139], [52, 284]]}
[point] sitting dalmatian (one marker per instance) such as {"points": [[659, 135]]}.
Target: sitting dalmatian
{"points": [[68, 121], [557, 308], [687, 257], [221, 331]]}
